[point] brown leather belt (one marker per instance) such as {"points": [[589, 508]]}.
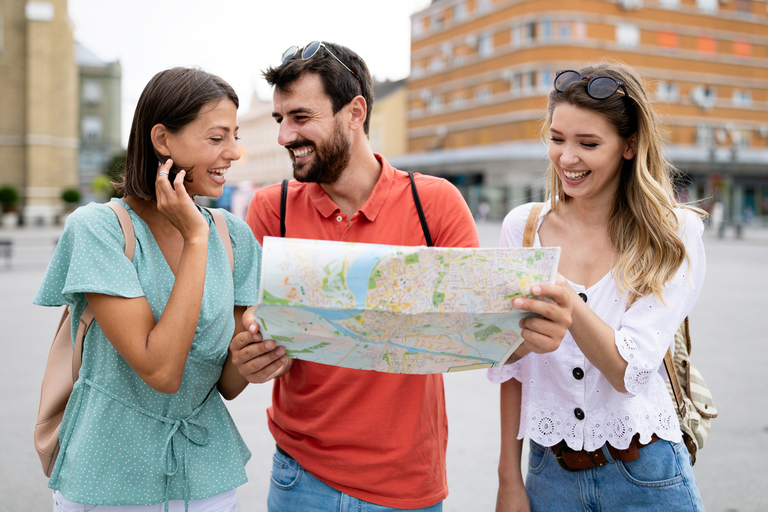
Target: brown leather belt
{"points": [[572, 460]]}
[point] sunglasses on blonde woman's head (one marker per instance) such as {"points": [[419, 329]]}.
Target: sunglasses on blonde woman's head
{"points": [[308, 51], [598, 87]]}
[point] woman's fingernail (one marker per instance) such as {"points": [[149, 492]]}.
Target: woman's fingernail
{"points": [[536, 290], [518, 303], [252, 327]]}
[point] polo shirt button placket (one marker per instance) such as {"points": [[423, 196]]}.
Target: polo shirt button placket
{"points": [[339, 218], [578, 413]]}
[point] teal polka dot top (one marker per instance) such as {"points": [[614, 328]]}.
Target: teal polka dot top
{"points": [[122, 442]]}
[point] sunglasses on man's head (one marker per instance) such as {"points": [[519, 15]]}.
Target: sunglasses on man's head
{"points": [[598, 87], [307, 52]]}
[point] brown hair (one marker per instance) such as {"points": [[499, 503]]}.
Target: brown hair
{"points": [[172, 98], [340, 85], [643, 227]]}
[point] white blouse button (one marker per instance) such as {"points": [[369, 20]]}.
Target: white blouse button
{"points": [[339, 218]]}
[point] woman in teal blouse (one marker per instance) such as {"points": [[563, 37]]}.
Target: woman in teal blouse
{"points": [[145, 425]]}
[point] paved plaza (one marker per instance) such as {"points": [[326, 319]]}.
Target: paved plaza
{"points": [[727, 348]]}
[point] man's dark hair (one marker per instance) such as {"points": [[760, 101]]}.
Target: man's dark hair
{"points": [[340, 85], [172, 98]]}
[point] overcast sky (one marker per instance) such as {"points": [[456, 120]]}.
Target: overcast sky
{"points": [[237, 39]]}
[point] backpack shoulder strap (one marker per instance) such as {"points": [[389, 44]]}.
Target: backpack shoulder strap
{"points": [[221, 226], [677, 389], [419, 209], [530, 225], [283, 201], [126, 225], [86, 319]]}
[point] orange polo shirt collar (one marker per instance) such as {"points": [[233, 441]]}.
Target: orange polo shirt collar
{"points": [[372, 206]]}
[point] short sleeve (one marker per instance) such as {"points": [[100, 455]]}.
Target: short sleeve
{"points": [[89, 258], [648, 326], [247, 254]]}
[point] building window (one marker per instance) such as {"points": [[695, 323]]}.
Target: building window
{"points": [[483, 94], [704, 135], [458, 101], [529, 32], [545, 80], [545, 34], [485, 45], [669, 40], [564, 31], [517, 36], [742, 98], [417, 27], [437, 22], [706, 44], [91, 92], [627, 35], [704, 96], [417, 71], [667, 91], [92, 128], [435, 103], [742, 48], [528, 82], [670, 4], [707, 5], [743, 7], [483, 6], [579, 30], [436, 64], [459, 11]]}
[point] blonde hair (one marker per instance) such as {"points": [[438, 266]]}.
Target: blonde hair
{"points": [[643, 227]]}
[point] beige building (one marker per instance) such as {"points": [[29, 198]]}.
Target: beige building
{"points": [[389, 121], [38, 105], [481, 70]]}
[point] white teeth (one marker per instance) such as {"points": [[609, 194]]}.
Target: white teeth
{"points": [[218, 172], [302, 152], [575, 175]]}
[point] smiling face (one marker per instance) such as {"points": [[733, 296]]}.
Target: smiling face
{"points": [[313, 135], [206, 147], [587, 152]]}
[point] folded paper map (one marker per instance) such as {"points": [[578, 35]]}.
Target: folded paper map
{"points": [[397, 309]]}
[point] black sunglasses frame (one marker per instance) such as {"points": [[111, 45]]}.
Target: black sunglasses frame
{"points": [[591, 84], [309, 51]]}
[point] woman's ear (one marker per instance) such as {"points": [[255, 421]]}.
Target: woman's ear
{"points": [[159, 136], [631, 147]]}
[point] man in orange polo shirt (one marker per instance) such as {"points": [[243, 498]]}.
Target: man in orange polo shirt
{"points": [[352, 439]]}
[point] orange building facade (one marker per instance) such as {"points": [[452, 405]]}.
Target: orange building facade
{"points": [[481, 71]]}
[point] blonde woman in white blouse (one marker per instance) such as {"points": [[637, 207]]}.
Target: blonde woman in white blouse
{"points": [[603, 430]]}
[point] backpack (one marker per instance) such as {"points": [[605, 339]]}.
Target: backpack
{"points": [[686, 386], [65, 357]]}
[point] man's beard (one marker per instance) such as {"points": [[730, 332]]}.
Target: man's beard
{"points": [[330, 160]]}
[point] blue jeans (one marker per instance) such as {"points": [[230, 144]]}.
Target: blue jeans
{"points": [[292, 488], [661, 479]]}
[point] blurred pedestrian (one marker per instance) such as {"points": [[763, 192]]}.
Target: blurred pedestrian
{"points": [[145, 426], [603, 430]]}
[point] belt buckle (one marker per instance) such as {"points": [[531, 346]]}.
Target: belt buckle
{"points": [[559, 455]]}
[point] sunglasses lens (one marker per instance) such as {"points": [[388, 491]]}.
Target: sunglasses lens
{"points": [[565, 78], [310, 50], [602, 87], [289, 53]]}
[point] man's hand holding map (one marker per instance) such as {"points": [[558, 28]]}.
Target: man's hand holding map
{"points": [[397, 309]]}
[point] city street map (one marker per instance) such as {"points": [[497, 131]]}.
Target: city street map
{"points": [[397, 309]]}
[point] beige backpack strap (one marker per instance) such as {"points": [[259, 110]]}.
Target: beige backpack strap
{"points": [[677, 389], [221, 226], [530, 225], [127, 226], [86, 319]]}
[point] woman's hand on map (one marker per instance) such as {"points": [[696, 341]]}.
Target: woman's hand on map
{"points": [[258, 360], [544, 332]]}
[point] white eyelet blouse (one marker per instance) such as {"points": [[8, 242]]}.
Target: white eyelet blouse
{"points": [[564, 397]]}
